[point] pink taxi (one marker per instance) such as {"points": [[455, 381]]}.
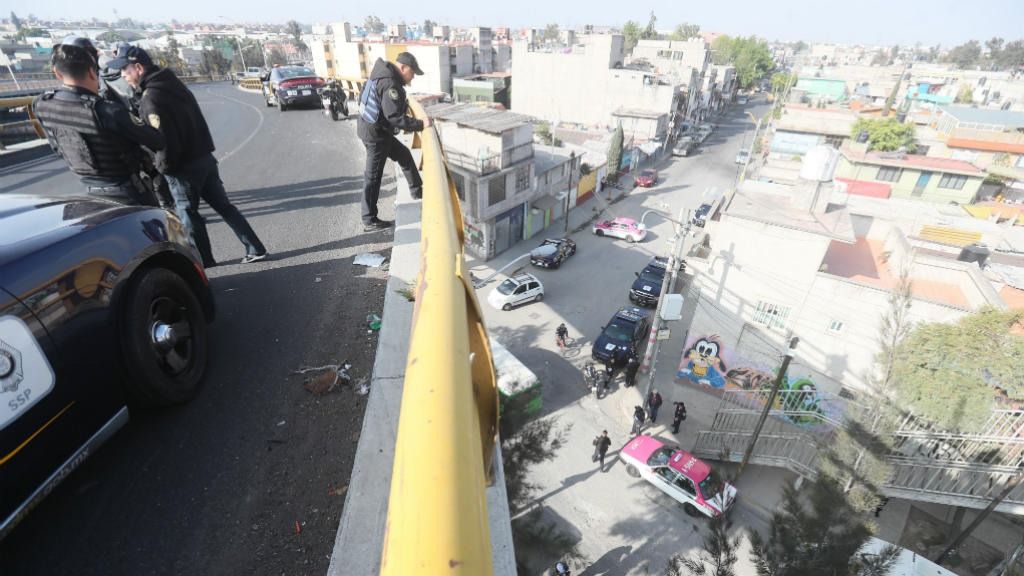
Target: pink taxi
{"points": [[626, 228], [681, 475]]}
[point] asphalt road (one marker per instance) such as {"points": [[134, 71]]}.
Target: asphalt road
{"points": [[249, 478]]}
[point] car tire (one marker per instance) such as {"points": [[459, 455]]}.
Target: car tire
{"points": [[631, 239], [539, 298], [632, 471], [334, 115], [158, 298], [281, 106], [599, 232], [269, 105], [344, 109], [506, 307], [691, 510]]}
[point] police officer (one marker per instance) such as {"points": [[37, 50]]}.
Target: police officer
{"points": [[382, 114], [98, 138], [187, 162]]}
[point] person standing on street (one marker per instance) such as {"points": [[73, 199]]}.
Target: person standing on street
{"points": [[653, 403], [187, 162], [601, 444], [638, 420], [632, 366], [678, 417], [382, 113], [98, 138]]}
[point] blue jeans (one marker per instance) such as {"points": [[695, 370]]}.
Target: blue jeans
{"points": [[186, 208]]}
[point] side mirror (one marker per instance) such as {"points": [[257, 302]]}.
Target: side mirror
{"points": [[637, 274]]}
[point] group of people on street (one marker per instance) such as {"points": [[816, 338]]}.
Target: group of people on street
{"points": [[150, 148]]}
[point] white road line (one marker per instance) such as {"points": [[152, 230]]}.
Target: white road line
{"points": [[250, 136]]}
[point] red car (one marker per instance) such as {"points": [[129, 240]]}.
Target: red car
{"points": [[647, 178]]}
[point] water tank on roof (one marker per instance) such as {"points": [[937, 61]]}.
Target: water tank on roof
{"points": [[819, 163], [975, 253]]}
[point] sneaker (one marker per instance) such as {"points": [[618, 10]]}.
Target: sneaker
{"points": [[376, 224], [254, 257]]}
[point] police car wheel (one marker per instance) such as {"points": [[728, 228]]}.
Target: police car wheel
{"points": [[690, 509], [632, 471], [281, 106], [163, 338]]}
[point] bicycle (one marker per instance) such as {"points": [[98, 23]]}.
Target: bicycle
{"points": [[562, 337]]}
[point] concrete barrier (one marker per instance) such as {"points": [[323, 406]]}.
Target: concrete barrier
{"points": [[250, 83]]}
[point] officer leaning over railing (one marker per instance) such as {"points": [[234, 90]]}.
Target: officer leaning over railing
{"points": [[98, 138]]}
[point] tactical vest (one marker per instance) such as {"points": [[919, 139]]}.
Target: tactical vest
{"points": [[74, 128], [369, 102]]}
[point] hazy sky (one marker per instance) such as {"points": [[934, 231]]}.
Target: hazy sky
{"points": [[931, 22]]}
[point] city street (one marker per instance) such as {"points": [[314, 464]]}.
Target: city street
{"points": [[250, 477]]}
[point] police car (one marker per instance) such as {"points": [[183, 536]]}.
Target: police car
{"points": [[646, 289], [553, 252], [626, 332], [289, 86]]}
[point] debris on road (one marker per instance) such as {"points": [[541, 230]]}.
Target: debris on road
{"points": [[364, 386], [328, 379], [373, 321], [369, 259], [338, 491], [281, 423], [298, 527], [318, 279]]}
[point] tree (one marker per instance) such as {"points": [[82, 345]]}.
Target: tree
{"points": [[374, 24], [1011, 57], [172, 56], [276, 57], [952, 374], [110, 36], [213, 62], [880, 58], [650, 32], [550, 33], [294, 30], [821, 536], [885, 135], [782, 82], [799, 46], [717, 558], [994, 46], [751, 57], [15, 21], [965, 95], [685, 32], [615, 154], [965, 55], [428, 27], [631, 33]]}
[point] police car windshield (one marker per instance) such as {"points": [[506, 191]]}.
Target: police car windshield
{"points": [[619, 330], [652, 274], [295, 72], [507, 287]]}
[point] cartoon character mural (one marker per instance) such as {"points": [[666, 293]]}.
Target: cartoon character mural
{"points": [[702, 362]]}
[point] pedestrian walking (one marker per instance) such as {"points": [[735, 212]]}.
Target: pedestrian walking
{"points": [[638, 420], [601, 444], [97, 137], [382, 113], [653, 403], [632, 366], [187, 162], [678, 416]]}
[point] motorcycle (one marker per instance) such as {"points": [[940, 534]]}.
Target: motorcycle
{"points": [[332, 97], [596, 379]]}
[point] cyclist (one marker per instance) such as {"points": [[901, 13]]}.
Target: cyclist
{"points": [[561, 335]]}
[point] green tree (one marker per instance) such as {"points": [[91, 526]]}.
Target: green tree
{"points": [[172, 56], [294, 30], [952, 374], [685, 32], [965, 95], [994, 46], [650, 32], [15, 21], [782, 82], [1011, 57], [276, 57], [615, 154], [965, 55], [799, 46], [374, 24], [428, 27], [885, 134], [110, 36], [550, 33], [817, 532], [631, 33], [213, 62], [751, 57], [716, 558]]}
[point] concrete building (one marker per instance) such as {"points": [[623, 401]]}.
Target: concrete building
{"points": [[491, 88], [585, 84], [893, 174], [483, 55]]}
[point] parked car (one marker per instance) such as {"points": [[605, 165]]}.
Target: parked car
{"points": [[626, 332], [700, 215], [516, 290], [742, 100], [100, 303], [684, 146], [552, 252], [686, 478], [626, 228], [646, 178], [646, 289], [292, 85], [742, 157]]}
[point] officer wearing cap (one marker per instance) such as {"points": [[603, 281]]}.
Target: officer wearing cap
{"points": [[98, 138], [383, 112], [187, 162]]}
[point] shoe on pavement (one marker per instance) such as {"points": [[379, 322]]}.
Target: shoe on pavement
{"points": [[254, 257], [376, 224]]}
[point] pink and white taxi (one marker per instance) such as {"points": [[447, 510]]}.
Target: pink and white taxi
{"points": [[626, 228], [681, 475]]}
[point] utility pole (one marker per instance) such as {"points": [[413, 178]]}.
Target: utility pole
{"points": [[649, 362], [1010, 485], [768, 405], [568, 193]]}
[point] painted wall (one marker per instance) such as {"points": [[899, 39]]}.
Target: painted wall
{"points": [[907, 182]]}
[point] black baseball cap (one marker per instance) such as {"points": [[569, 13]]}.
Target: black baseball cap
{"points": [[410, 61], [127, 54]]}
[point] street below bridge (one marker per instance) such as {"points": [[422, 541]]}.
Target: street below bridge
{"points": [[249, 477]]}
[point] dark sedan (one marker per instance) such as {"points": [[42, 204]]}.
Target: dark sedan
{"points": [[553, 252], [101, 305], [290, 86]]}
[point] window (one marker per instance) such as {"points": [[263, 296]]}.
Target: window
{"points": [[460, 185], [771, 315], [835, 326], [496, 190], [952, 181], [888, 174], [686, 485], [522, 178]]}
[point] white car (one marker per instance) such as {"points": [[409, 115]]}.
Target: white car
{"points": [[743, 157], [686, 478], [742, 100], [516, 290]]}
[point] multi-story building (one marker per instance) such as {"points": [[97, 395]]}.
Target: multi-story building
{"points": [[896, 174]]}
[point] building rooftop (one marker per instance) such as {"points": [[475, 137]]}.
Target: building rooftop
{"points": [[484, 119], [831, 122], [970, 115], [913, 161], [547, 157], [773, 204], [638, 113]]}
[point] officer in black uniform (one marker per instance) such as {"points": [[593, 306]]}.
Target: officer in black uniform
{"points": [[98, 138], [382, 114]]}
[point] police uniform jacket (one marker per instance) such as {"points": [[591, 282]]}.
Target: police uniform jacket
{"points": [[169, 106], [98, 138], [383, 105]]}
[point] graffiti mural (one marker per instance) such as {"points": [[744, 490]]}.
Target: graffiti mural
{"points": [[702, 362]]}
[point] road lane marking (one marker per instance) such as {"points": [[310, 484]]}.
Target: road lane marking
{"points": [[250, 136]]}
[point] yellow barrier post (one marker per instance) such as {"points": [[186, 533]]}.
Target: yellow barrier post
{"points": [[437, 512]]}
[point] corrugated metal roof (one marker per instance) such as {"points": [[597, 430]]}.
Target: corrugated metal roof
{"points": [[481, 118], [971, 115]]}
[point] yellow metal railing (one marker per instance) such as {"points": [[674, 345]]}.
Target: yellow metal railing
{"points": [[25, 101], [437, 512]]}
